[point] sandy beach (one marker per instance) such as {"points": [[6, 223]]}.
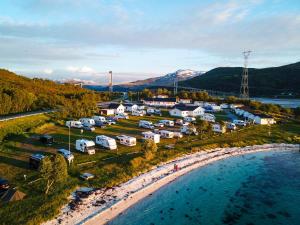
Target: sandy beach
{"points": [[105, 204]]}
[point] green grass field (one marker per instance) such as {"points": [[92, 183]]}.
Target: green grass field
{"points": [[109, 167]]}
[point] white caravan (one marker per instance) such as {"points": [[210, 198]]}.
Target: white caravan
{"points": [[152, 136], [218, 128], [99, 118], [189, 119], [166, 134], [122, 116], [240, 123], [106, 142], [138, 113], [168, 123], [127, 140], [85, 146], [87, 121], [208, 117], [178, 135], [75, 124], [231, 126], [189, 130], [146, 124]]}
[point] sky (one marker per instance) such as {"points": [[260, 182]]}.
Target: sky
{"points": [[137, 39]]}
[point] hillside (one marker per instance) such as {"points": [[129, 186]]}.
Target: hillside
{"points": [[21, 94], [273, 81]]}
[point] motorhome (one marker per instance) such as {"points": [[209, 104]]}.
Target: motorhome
{"points": [[66, 154], [35, 160], [146, 124], [152, 136], [75, 124], [168, 123], [166, 134], [85, 146], [188, 130], [218, 128], [189, 119], [99, 118], [127, 140], [231, 126], [121, 116], [138, 113], [240, 123], [106, 142], [87, 121]]}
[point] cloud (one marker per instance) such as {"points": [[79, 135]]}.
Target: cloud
{"points": [[48, 71], [84, 69]]}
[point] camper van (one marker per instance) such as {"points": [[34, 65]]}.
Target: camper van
{"points": [[99, 118], [188, 130], [189, 119], [85, 146], [46, 139], [138, 113], [240, 123], [146, 124], [66, 154], [231, 126], [168, 123], [121, 116], [106, 142], [87, 121], [75, 124], [166, 134], [218, 128], [152, 136], [35, 160], [127, 140]]}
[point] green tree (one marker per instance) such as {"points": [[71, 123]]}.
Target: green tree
{"points": [[53, 171], [149, 148]]}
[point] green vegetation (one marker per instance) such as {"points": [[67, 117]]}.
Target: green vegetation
{"points": [[109, 167], [20, 94], [283, 80]]}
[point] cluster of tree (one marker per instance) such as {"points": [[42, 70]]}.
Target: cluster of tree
{"points": [[53, 171], [20, 94]]}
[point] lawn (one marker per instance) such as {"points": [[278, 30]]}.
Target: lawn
{"points": [[110, 167]]}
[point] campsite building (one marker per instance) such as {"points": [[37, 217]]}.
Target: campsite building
{"points": [[160, 102], [182, 110], [113, 108]]}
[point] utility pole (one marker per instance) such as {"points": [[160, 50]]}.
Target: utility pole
{"points": [[110, 84], [70, 139], [244, 84]]}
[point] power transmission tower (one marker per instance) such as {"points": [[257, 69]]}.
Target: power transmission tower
{"points": [[110, 84], [244, 83]]}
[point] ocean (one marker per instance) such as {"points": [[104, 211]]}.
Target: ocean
{"points": [[255, 189]]}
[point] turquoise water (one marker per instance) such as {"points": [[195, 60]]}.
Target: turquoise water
{"points": [[255, 189]]}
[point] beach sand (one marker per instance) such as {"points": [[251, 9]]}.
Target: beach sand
{"points": [[120, 198]]}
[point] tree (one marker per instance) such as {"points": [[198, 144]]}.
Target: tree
{"points": [[203, 126], [53, 170], [149, 148]]}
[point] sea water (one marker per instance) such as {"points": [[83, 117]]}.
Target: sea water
{"points": [[255, 189]]}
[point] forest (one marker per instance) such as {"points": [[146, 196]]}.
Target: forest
{"points": [[20, 94]]}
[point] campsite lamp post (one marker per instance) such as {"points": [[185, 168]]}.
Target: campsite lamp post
{"points": [[69, 139]]}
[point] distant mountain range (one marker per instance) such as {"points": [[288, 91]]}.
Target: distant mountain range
{"points": [[272, 81]]}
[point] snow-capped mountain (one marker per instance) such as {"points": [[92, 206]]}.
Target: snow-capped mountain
{"points": [[167, 79]]}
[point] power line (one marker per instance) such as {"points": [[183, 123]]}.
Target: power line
{"points": [[244, 84]]}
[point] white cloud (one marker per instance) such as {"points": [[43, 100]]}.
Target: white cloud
{"points": [[84, 69], [48, 71]]}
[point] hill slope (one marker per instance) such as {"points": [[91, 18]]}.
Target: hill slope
{"points": [[21, 94], [282, 80]]}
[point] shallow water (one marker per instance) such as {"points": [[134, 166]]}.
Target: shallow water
{"points": [[260, 188]]}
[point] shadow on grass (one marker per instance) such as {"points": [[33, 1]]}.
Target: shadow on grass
{"points": [[14, 162]]}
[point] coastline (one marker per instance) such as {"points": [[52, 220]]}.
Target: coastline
{"points": [[120, 198]]}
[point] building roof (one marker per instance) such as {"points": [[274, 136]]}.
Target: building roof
{"points": [[183, 107], [160, 99], [113, 106], [261, 115], [129, 104]]}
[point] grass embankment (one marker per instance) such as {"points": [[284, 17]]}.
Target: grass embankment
{"points": [[110, 167]]}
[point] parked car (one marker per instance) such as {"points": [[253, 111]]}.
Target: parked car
{"points": [[100, 124], [4, 185], [89, 128], [87, 176], [159, 124]]}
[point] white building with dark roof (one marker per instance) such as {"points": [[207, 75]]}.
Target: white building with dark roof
{"points": [[186, 110], [160, 102]]}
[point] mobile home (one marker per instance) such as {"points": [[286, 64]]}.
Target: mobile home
{"points": [[152, 136], [106, 142], [127, 140], [166, 134], [75, 124], [85, 146]]}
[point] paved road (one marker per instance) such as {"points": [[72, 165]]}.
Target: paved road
{"points": [[21, 115]]}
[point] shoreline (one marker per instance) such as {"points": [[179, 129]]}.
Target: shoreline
{"points": [[119, 199]]}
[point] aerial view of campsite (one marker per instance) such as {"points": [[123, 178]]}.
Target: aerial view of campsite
{"points": [[135, 112]]}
